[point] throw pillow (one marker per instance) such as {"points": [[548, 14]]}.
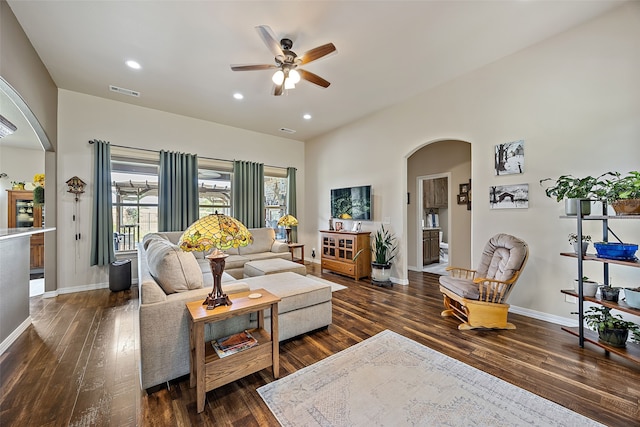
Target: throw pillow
{"points": [[173, 269]]}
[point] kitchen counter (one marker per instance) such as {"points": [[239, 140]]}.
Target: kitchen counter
{"points": [[14, 282]]}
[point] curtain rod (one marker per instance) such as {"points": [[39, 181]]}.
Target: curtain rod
{"points": [[208, 158]]}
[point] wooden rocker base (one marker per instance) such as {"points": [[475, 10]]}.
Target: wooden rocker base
{"points": [[475, 314]]}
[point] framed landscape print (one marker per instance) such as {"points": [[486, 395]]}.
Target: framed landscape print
{"points": [[514, 196], [509, 158]]}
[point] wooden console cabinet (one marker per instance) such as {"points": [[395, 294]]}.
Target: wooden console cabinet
{"points": [[338, 250], [23, 213]]}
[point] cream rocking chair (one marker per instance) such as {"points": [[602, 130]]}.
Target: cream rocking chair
{"points": [[477, 297]]}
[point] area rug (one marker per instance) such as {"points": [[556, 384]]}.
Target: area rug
{"points": [[390, 380], [334, 286]]}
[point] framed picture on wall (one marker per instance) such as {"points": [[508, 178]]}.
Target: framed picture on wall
{"points": [[464, 188], [509, 158], [463, 199], [509, 196]]}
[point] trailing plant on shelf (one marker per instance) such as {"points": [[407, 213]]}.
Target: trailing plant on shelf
{"points": [[611, 328], [620, 187], [571, 187]]}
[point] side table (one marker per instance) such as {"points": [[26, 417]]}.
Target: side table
{"points": [[292, 248], [207, 370]]}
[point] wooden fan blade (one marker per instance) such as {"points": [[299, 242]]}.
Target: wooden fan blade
{"points": [[278, 89], [269, 38], [252, 67], [313, 78], [317, 53]]}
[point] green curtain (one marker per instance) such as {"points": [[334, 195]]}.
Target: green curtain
{"points": [[292, 200], [102, 252], [177, 191], [247, 189]]}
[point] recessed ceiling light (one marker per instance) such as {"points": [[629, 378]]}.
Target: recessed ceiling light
{"points": [[307, 116], [238, 95], [133, 64]]}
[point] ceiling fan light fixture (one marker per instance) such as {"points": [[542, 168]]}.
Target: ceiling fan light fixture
{"points": [[289, 84], [278, 77], [294, 76]]}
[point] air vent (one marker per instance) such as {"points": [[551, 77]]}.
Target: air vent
{"points": [[287, 130], [124, 91]]}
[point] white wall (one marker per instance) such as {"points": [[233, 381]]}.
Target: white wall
{"points": [[19, 165], [574, 99], [83, 118]]}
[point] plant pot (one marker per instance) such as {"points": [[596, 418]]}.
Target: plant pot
{"points": [[585, 246], [17, 187], [626, 207], [609, 294], [589, 288], [571, 207], [614, 337], [632, 297], [380, 273]]}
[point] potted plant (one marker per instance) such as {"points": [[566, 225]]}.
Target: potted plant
{"points": [[609, 293], [622, 192], [383, 248], [589, 287], [573, 240], [571, 189], [611, 328]]}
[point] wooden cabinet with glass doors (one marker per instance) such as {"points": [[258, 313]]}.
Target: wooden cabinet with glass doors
{"points": [[23, 213], [340, 247]]}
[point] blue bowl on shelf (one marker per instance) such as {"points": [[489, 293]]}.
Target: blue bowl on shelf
{"points": [[618, 251]]}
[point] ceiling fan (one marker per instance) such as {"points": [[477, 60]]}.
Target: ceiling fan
{"points": [[287, 62]]}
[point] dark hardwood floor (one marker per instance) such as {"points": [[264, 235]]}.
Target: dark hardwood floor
{"points": [[77, 364]]}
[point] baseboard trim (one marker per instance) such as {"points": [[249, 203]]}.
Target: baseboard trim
{"points": [[83, 288], [551, 318], [14, 335]]}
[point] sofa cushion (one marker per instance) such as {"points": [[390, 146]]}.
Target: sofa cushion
{"points": [[173, 269], [235, 261], [263, 239]]}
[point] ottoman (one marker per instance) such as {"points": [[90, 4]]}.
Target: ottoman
{"points": [[271, 266], [305, 303]]}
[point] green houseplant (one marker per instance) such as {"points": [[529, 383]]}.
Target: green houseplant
{"points": [[612, 328], [573, 240], [570, 189], [383, 248], [622, 192]]}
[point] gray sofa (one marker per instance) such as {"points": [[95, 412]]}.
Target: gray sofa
{"points": [[168, 278]]}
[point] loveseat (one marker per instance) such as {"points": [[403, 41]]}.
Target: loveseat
{"points": [[168, 278]]}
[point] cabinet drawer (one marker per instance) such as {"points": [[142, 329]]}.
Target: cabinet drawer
{"points": [[339, 267]]}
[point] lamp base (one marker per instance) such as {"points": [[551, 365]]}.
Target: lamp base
{"points": [[212, 301], [216, 297]]}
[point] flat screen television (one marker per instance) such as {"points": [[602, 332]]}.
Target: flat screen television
{"points": [[351, 203]]}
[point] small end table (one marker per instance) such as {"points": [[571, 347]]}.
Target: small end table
{"points": [[207, 370], [292, 248]]}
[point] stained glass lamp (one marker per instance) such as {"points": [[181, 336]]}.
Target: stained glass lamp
{"points": [[218, 232], [287, 222]]}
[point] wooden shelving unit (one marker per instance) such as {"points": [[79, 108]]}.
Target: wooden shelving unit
{"points": [[631, 351]]}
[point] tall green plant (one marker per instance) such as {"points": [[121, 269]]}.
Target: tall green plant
{"points": [[384, 246]]}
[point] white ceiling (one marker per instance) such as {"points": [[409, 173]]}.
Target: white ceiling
{"points": [[387, 51]]}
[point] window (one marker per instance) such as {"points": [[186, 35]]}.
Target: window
{"points": [[275, 201], [214, 188], [134, 194], [134, 177]]}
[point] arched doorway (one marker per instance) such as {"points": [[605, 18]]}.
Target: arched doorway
{"points": [[450, 159]]}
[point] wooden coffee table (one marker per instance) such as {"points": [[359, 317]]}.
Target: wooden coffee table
{"points": [[207, 370]]}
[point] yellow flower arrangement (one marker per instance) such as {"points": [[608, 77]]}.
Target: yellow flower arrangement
{"points": [[38, 179]]}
